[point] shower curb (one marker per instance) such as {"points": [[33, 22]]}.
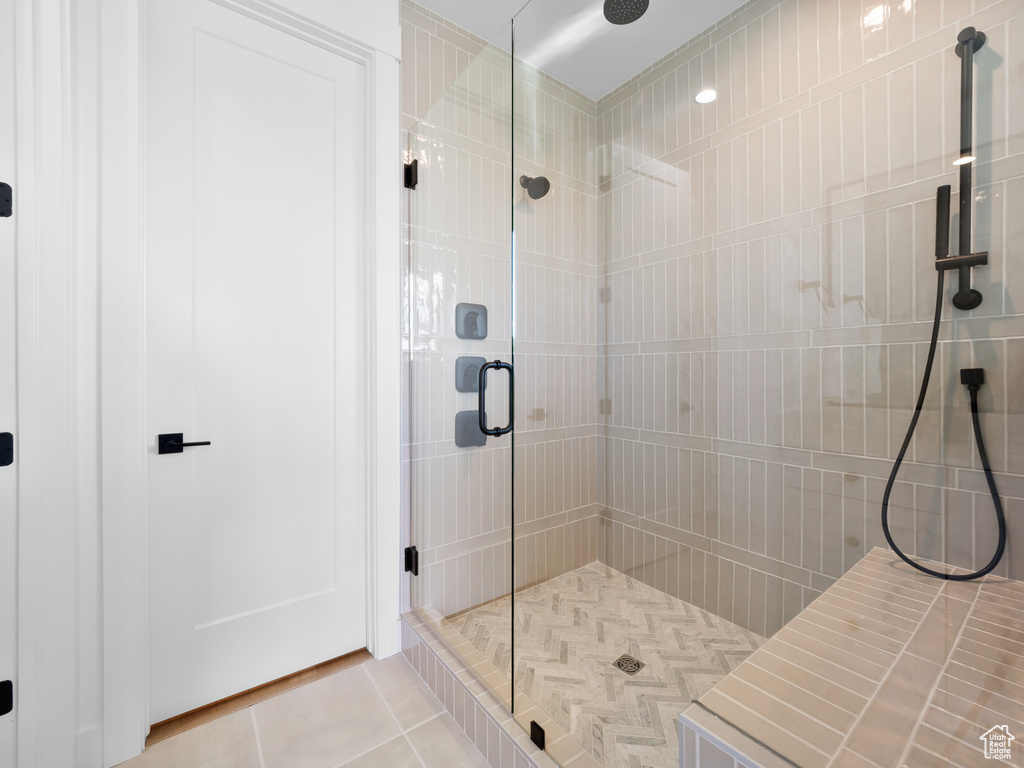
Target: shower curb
{"points": [[482, 717]]}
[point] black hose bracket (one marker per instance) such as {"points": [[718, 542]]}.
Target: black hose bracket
{"points": [[967, 297]]}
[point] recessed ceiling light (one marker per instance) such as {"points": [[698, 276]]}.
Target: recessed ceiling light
{"points": [[706, 96]]}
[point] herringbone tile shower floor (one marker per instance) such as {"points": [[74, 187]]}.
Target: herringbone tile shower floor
{"points": [[571, 628]]}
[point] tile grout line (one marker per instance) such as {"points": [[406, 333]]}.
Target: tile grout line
{"points": [[403, 732], [845, 689], [352, 759], [383, 699], [945, 665], [885, 678], [256, 731], [782, 641], [796, 737]]}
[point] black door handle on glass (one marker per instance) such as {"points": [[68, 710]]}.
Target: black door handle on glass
{"points": [[174, 443], [497, 364]]}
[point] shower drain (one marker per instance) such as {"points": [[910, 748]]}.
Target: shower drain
{"points": [[628, 664]]}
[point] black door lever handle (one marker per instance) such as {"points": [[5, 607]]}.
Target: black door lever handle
{"points": [[173, 442]]}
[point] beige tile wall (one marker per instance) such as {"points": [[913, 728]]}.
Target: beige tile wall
{"points": [[558, 346], [769, 264], [722, 311], [457, 94], [456, 229]]}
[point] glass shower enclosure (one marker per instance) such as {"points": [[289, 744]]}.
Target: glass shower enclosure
{"points": [[717, 315], [459, 318]]}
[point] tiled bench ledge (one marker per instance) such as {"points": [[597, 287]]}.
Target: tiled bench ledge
{"points": [[889, 667]]}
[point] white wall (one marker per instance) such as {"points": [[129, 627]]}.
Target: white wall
{"points": [[81, 490]]}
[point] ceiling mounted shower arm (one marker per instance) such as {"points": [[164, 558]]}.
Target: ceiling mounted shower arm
{"points": [[968, 42]]}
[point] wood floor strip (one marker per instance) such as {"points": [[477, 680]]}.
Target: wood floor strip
{"points": [[183, 722]]}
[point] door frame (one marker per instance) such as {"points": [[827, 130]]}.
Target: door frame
{"points": [[123, 444]]}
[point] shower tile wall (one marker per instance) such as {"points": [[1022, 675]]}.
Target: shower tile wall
{"points": [[558, 348], [770, 286], [456, 233], [458, 89]]}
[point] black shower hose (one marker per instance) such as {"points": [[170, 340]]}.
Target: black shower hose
{"points": [[1000, 517]]}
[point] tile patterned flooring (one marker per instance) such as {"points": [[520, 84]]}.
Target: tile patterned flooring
{"points": [[571, 628], [379, 713]]}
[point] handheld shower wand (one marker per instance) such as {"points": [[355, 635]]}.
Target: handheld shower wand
{"points": [[968, 41]]}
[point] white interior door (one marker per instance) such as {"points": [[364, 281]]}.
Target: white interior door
{"points": [[8, 488], [255, 181]]}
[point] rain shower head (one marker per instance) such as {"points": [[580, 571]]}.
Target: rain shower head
{"points": [[535, 188], [624, 11]]}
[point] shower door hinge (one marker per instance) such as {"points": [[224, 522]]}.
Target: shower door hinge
{"points": [[412, 174], [6, 697], [537, 735], [6, 200], [6, 449], [604, 295], [412, 561]]}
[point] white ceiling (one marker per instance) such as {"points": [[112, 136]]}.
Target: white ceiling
{"points": [[571, 40]]}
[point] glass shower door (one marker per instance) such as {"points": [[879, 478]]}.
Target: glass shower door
{"points": [[558, 393], [459, 317]]}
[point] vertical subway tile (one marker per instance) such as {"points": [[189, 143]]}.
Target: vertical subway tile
{"points": [[929, 148], [741, 503], [828, 39], [810, 153], [832, 399], [771, 56], [774, 510], [1015, 107], [851, 48], [854, 405], [876, 400], [811, 526], [756, 286], [807, 25], [877, 125], [725, 580], [852, 106], [758, 507], [774, 608], [832, 524], [773, 377], [757, 396], [740, 396], [831, 149], [854, 511], [900, 23], [793, 601], [738, 184], [697, 578], [792, 516], [725, 500], [758, 599], [792, 181], [711, 578], [773, 170], [792, 398], [810, 371], [755, 197]]}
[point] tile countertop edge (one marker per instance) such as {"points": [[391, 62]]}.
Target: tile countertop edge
{"points": [[745, 751], [955, 602]]}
